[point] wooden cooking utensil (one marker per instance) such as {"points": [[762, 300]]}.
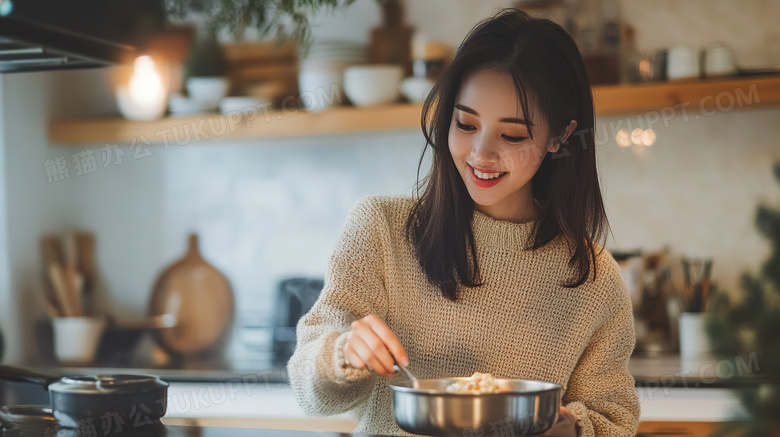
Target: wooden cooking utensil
{"points": [[49, 306], [51, 249], [70, 275], [85, 250], [51, 252], [201, 299], [58, 284]]}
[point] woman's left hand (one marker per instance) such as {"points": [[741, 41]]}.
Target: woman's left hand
{"points": [[565, 426]]}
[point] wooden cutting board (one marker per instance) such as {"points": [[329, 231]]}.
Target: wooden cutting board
{"points": [[200, 297]]}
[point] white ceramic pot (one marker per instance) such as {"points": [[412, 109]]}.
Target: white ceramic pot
{"points": [[369, 85], [682, 62], [208, 91], [320, 85], [415, 89], [718, 61], [694, 342], [76, 339]]}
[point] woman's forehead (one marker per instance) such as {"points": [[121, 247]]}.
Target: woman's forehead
{"points": [[492, 94]]}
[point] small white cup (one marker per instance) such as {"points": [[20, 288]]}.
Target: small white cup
{"points": [[694, 342], [415, 89], [718, 61], [208, 90], [682, 62], [76, 338]]}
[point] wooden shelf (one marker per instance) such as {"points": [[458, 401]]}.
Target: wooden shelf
{"points": [[709, 95], [270, 124], [692, 94]]}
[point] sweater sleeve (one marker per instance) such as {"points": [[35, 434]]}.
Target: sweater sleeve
{"points": [[601, 391], [323, 382]]}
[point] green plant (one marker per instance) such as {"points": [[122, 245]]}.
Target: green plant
{"points": [[752, 326], [284, 19], [206, 59]]}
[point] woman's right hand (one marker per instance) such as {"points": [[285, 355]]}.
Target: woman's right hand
{"points": [[371, 344]]}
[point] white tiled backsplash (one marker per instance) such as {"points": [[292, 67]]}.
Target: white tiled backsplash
{"points": [[270, 211]]}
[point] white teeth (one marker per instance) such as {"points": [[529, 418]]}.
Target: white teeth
{"points": [[486, 175]]}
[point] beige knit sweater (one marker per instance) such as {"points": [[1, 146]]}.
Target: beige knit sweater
{"points": [[519, 324]]}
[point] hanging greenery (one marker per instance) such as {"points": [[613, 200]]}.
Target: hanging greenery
{"points": [[752, 326], [282, 19], [206, 59]]}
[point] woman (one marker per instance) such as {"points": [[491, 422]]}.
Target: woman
{"points": [[495, 267]]}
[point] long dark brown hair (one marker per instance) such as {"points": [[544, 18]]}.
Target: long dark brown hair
{"points": [[546, 66]]}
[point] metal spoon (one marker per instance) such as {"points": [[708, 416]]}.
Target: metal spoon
{"points": [[409, 375]]}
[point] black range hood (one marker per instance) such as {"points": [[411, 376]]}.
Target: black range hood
{"points": [[38, 35]]}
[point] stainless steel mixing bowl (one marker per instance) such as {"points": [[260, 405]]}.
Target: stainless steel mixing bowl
{"points": [[531, 407]]}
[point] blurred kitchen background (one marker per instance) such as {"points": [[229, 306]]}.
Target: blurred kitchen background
{"points": [[267, 207]]}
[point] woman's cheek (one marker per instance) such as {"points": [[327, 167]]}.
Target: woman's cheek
{"points": [[459, 147]]}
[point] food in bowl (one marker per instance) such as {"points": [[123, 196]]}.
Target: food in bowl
{"points": [[478, 383]]}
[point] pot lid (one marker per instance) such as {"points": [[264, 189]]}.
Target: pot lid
{"points": [[107, 384]]}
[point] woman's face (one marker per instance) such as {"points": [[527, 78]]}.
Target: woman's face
{"points": [[490, 144]]}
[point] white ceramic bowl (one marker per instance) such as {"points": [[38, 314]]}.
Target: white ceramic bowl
{"points": [[239, 104], [415, 89], [320, 85], [369, 85], [181, 105], [208, 90]]}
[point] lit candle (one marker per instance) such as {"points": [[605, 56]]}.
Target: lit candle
{"points": [[144, 96]]}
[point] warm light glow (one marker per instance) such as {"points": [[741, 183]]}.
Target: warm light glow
{"points": [[648, 137], [623, 138], [645, 69], [636, 136], [146, 86]]}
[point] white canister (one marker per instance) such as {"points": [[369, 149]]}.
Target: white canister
{"points": [[718, 61], [320, 84], [682, 62], [76, 339], [694, 341]]}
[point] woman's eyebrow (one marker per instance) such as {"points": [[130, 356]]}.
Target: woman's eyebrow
{"points": [[465, 108]]}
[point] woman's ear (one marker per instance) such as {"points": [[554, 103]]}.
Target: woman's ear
{"points": [[556, 144]]}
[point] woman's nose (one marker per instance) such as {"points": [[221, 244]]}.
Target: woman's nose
{"points": [[485, 147]]}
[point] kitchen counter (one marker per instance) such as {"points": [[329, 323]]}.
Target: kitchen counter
{"points": [[161, 430], [272, 375], [663, 370], [675, 371]]}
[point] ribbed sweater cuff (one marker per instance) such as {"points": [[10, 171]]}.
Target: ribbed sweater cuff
{"points": [[583, 425], [344, 371]]}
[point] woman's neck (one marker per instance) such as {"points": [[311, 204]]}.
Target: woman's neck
{"points": [[512, 210]]}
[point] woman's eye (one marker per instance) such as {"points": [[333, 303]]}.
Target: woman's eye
{"points": [[514, 139], [464, 127]]}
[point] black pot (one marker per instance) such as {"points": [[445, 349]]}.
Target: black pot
{"points": [[136, 399]]}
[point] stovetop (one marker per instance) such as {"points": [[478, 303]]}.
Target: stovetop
{"points": [[38, 421]]}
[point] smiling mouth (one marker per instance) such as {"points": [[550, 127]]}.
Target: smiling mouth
{"points": [[486, 175]]}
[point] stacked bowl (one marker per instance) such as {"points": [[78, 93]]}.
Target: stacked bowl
{"points": [[320, 78]]}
